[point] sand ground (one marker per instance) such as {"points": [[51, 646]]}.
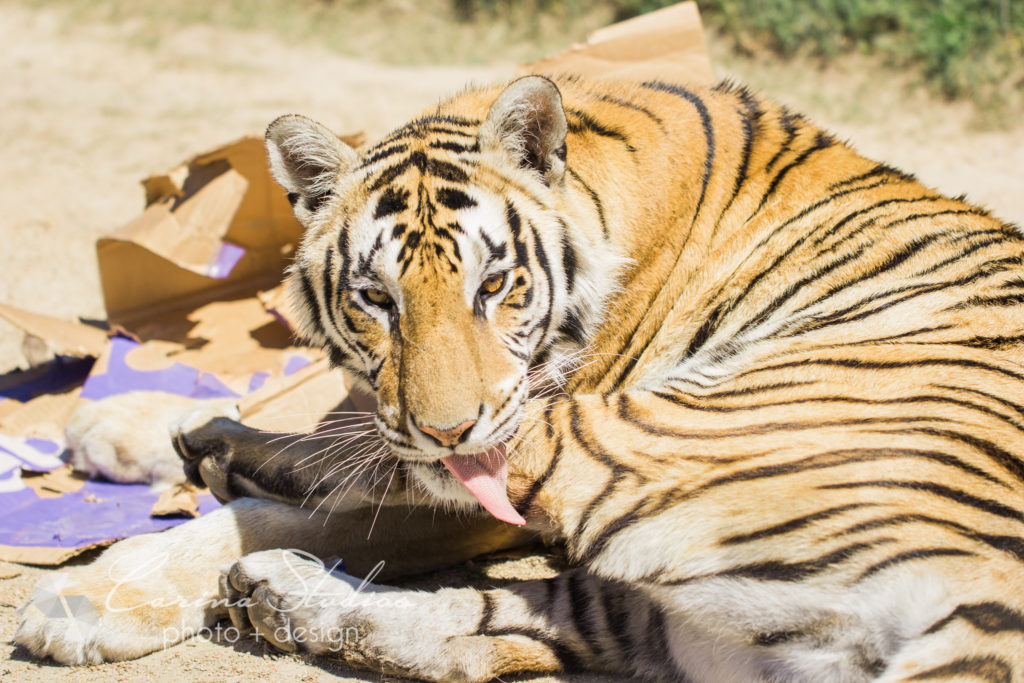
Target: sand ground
{"points": [[88, 111]]}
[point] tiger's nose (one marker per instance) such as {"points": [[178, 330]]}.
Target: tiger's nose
{"points": [[448, 437]]}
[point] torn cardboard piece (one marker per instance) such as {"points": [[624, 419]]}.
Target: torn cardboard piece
{"points": [[217, 223], [181, 500], [665, 45], [57, 337], [54, 483]]}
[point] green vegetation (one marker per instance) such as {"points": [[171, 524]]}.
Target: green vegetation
{"points": [[965, 48]]}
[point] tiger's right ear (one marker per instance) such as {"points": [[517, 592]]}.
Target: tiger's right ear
{"points": [[306, 159]]}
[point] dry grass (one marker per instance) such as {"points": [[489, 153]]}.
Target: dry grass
{"points": [[398, 32]]}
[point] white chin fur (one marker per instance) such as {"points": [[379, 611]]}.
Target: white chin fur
{"points": [[442, 486]]}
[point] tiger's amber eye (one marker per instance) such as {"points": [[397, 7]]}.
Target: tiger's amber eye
{"points": [[378, 297], [492, 284]]}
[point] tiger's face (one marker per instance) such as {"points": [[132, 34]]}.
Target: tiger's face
{"points": [[436, 266], [436, 299]]}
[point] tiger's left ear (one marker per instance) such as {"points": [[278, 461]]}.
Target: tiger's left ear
{"points": [[306, 159], [527, 121]]}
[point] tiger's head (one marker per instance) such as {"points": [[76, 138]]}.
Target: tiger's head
{"points": [[438, 266]]}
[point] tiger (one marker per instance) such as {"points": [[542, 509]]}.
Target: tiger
{"points": [[766, 393]]}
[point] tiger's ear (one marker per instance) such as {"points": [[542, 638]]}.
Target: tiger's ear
{"points": [[527, 121], [306, 158]]}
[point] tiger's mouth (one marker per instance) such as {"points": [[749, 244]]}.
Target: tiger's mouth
{"points": [[485, 476], [468, 472], [467, 478]]}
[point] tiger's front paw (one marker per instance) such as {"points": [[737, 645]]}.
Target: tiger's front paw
{"points": [[206, 439], [293, 601], [298, 604]]}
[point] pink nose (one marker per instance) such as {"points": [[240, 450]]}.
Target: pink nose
{"points": [[447, 437]]}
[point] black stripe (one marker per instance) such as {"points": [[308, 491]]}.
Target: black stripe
{"points": [[790, 124], [902, 220], [820, 271], [581, 603], [456, 147], [912, 555], [1019, 409], [311, 303], [569, 260], [393, 200], [389, 174], [545, 266], [832, 231], [620, 523], [757, 389], [598, 205], [750, 119], [990, 617], [987, 667], [383, 153], [988, 302], [777, 570], [1008, 544], [792, 524], [984, 504], [635, 107], [523, 504], [446, 171], [612, 597], [454, 199], [707, 328], [887, 365], [1003, 458], [568, 660], [329, 289], [821, 141], [709, 136], [486, 613], [515, 226], [579, 122], [594, 450]]}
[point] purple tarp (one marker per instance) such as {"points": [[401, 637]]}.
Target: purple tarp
{"points": [[100, 510]]}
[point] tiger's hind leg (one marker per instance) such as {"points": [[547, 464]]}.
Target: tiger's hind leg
{"points": [[572, 622]]}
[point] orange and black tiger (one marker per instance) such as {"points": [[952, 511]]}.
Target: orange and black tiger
{"points": [[767, 392]]}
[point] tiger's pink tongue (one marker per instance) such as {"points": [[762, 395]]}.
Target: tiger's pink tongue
{"points": [[485, 476]]}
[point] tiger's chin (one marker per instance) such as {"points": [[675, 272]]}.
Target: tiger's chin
{"points": [[435, 480]]}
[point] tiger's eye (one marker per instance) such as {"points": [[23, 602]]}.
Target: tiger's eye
{"points": [[492, 284], [378, 297]]}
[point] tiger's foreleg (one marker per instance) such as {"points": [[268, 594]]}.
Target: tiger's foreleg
{"points": [[572, 622], [149, 592]]}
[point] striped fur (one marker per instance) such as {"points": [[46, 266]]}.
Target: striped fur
{"points": [[794, 447]]}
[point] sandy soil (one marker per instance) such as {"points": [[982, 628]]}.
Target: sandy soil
{"points": [[89, 111]]}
